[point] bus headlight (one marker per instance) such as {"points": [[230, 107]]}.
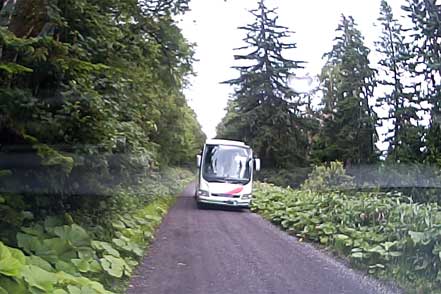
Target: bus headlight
{"points": [[203, 193], [247, 196]]}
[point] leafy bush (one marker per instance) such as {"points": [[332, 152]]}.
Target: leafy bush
{"points": [[93, 251], [284, 177], [331, 177], [384, 233], [419, 181]]}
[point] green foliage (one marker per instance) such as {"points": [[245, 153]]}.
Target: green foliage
{"points": [[331, 177], [383, 233], [426, 23], [264, 111], [83, 82], [284, 177], [30, 274], [91, 107], [57, 255], [405, 136], [348, 132]]}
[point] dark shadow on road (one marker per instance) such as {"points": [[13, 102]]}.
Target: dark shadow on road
{"points": [[223, 208]]}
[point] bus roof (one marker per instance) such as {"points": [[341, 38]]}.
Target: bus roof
{"points": [[225, 142]]}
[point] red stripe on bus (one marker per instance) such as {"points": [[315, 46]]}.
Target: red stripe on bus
{"points": [[235, 191]]}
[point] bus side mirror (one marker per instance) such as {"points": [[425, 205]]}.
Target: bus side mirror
{"points": [[198, 160], [257, 164]]}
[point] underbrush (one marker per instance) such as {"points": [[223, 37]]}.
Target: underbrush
{"points": [[420, 182], [385, 234], [90, 250], [284, 177]]}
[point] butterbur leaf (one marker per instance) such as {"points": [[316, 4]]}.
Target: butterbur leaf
{"points": [[324, 240], [395, 253], [388, 245], [357, 255], [153, 217], [104, 246], [81, 264], [27, 242], [56, 247], [342, 242], [113, 266], [10, 267], [36, 230], [39, 278], [18, 254], [13, 286], [378, 265], [74, 234], [95, 266], [422, 266], [85, 253], [51, 222], [64, 266], [377, 249], [286, 223], [78, 236], [119, 225], [40, 262], [132, 263], [97, 287], [11, 261], [73, 289], [119, 242], [417, 237]]}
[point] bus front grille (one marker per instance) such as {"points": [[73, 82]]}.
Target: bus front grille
{"points": [[225, 195]]}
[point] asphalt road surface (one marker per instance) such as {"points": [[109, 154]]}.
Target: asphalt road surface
{"points": [[220, 251]]}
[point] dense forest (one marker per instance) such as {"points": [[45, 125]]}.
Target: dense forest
{"points": [[378, 209], [289, 131], [93, 123], [92, 114]]}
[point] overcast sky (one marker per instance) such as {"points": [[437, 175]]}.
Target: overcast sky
{"points": [[212, 25]]}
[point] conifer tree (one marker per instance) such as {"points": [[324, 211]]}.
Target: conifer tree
{"points": [[426, 19], [267, 112], [348, 120], [405, 135]]}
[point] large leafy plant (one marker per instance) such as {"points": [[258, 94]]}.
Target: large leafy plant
{"points": [[328, 177], [385, 234]]}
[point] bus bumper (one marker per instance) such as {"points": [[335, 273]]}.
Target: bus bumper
{"points": [[225, 202]]}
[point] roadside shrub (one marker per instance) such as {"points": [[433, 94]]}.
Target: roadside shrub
{"points": [[385, 234], [420, 182], [330, 177], [90, 251], [284, 177]]}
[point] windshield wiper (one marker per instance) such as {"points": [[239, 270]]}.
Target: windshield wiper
{"points": [[216, 180]]}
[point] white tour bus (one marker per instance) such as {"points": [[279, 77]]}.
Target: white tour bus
{"points": [[225, 173]]}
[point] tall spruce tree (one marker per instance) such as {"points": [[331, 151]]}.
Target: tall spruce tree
{"points": [[348, 120], [405, 135], [266, 112], [426, 19]]}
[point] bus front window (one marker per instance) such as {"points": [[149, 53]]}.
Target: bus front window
{"points": [[227, 164]]}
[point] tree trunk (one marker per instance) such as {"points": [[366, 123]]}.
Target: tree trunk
{"points": [[29, 18]]}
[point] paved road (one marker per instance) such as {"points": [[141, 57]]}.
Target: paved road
{"points": [[217, 251]]}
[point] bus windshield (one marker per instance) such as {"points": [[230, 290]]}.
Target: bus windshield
{"points": [[224, 163]]}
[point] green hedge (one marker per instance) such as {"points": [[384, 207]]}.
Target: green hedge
{"points": [[383, 233]]}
